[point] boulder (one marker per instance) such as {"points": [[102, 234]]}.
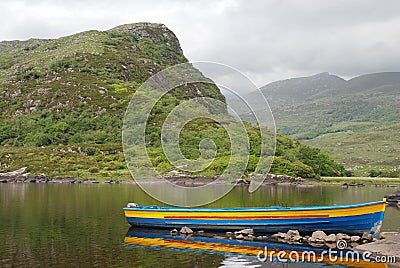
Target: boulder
{"points": [[186, 230], [229, 234], [201, 232], [17, 172], [293, 235], [319, 235], [330, 238], [239, 237], [341, 236], [249, 237], [355, 238], [279, 235], [246, 231], [174, 232], [366, 236]]}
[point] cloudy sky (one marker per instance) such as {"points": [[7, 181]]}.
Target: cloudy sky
{"points": [[266, 40]]}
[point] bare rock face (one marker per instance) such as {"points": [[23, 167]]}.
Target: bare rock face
{"points": [[153, 31]]}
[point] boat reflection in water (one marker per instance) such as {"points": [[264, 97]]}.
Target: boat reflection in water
{"points": [[247, 253]]}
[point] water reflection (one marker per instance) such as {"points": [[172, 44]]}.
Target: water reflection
{"points": [[244, 253]]}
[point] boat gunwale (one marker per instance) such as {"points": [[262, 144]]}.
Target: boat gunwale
{"points": [[250, 209]]}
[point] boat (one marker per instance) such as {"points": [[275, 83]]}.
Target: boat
{"points": [[258, 251], [354, 219]]}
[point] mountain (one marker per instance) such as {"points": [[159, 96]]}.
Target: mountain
{"points": [[298, 89], [342, 117], [63, 101]]}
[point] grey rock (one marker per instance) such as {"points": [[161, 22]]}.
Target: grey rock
{"points": [[341, 236], [330, 238], [239, 237], [229, 234], [247, 231], [186, 230], [319, 235], [279, 235], [293, 235], [367, 236], [17, 172], [249, 237]]}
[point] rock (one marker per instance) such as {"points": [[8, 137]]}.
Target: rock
{"points": [[331, 245], [15, 173], [341, 236], [389, 246], [242, 182], [355, 238], [201, 232], [316, 245], [319, 235], [239, 237], [246, 231], [293, 235], [174, 232], [330, 238], [367, 236], [279, 235], [249, 237], [384, 235], [229, 234], [186, 230], [3, 181]]}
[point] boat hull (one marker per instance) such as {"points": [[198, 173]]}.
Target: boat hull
{"points": [[350, 219]]}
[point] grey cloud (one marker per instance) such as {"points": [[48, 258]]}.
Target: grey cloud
{"points": [[267, 40]]}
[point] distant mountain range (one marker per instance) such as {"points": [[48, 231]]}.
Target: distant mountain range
{"points": [[355, 120]]}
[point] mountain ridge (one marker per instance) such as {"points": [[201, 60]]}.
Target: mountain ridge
{"points": [[358, 105]]}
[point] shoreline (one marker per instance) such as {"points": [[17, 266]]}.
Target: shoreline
{"points": [[191, 181]]}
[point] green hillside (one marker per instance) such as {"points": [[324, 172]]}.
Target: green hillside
{"points": [[63, 102], [354, 120]]}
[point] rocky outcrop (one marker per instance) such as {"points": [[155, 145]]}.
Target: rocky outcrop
{"points": [[153, 31]]}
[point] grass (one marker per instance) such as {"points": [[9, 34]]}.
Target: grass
{"points": [[376, 148], [362, 180]]}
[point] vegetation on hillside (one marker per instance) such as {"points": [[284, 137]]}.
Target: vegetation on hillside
{"points": [[63, 102], [355, 121]]}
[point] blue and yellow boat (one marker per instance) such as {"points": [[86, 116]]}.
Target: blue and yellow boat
{"points": [[350, 219]]}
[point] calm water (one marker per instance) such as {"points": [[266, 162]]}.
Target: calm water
{"points": [[83, 225]]}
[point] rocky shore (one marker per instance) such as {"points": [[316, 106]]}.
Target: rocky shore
{"points": [[21, 176], [387, 243]]}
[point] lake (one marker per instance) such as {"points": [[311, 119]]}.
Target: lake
{"points": [[83, 225]]}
